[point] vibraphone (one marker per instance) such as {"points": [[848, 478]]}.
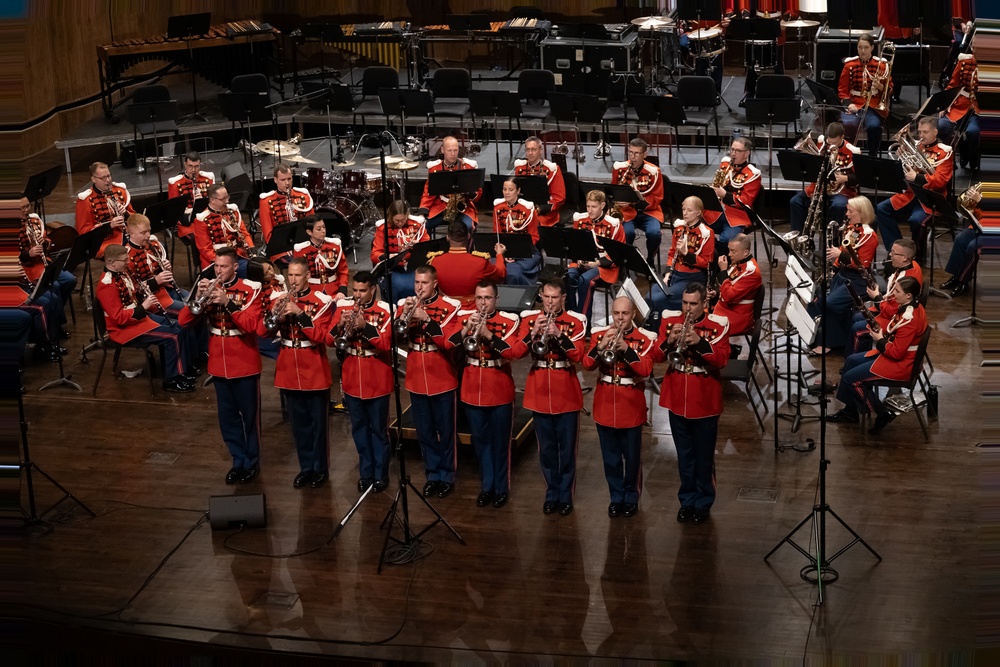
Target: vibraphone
{"points": [[228, 50]]}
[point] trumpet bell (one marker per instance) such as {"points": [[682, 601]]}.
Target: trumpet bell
{"points": [[470, 344], [676, 358], [539, 348], [401, 326], [609, 357]]}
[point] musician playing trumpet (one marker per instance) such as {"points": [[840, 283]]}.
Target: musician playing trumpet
{"points": [[622, 355], [405, 231], [864, 82], [487, 388], [219, 226], [104, 203], [284, 204], [904, 206], [431, 381], [513, 215], [844, 177], [325, 256], [147, 261], [691, 252], [647, 180]]}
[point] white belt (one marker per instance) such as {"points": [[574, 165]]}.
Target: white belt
{"points": [[912, 348], [691, 369], [617, 379], [219, 246], [963, 93], [355, 352], [317, 281], [745, 302], [426, 347], [296, 343], [215, 331], [551, 364], [485, 363]]}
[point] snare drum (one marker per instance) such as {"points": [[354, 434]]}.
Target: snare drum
{"points": [[710, 42], [354, 180], [322, 182], [376, 183], [760, 52]]}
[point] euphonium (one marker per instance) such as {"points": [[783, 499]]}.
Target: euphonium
{"points": [[343, 341], [609, 352], [806, 144], [540, 345], [908, 152], [198, 304], [676, 355], [471, 342]]}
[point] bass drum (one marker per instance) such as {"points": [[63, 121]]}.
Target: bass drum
{"points": [[348, 215]]}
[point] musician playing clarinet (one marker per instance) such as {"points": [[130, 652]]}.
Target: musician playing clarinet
{"points": [[647, 180], [220, 226], [104, 203], [147, 261], [405, 230]]}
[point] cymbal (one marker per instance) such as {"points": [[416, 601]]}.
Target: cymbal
{"points": [[403, 165], [799, 23], [272, 147], [346, 163], [302, 159], [652, 22]]}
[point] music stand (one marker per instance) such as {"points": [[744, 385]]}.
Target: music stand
{"points": [[845, 14], [519, 245], [629, 258], [419, 255], [802, 167], [661, 110], [574, 108], [246, 108], [827, 101], [186, 27], [496, 103], [405, 102], [284, 237], [165, 215], [940, 208], [927, 15], [461, 181], [681, 191], [533, 188], [569, 244], [936, 103], [324, 33], [150, 113], [770, 111], [879, 174], [85, 247], [40, 186]]}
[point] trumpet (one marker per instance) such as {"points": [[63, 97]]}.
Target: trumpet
{"points": [[471, 342], [540, 344], [271, 321], [402, 325], [198, 305], [343, 341], [676, 355], [609, 352]]}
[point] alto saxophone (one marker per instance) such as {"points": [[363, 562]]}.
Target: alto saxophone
{"points": [[456, 202], [719, 179]]}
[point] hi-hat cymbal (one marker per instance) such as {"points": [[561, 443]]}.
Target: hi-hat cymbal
{"points": [[403, 165], [652, 22], [799, 23], [302, 159], [272, 147]]}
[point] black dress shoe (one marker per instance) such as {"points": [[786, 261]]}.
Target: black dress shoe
{"points": [[444, 489], [302, 479], [699, 517], [380, 486], [685, 514], [485, 498], [319, 479], [234, 475], [430, 488], [614, 510], [549, 507], [178, 386], [63, 333], [959, 289], [630, 509], [363, 485], [188, 378], [843, 417], [565, 509], [249, 475], [500, 500], [881, 421], [951, 282]]}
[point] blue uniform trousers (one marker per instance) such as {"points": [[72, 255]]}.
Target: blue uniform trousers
{"points": [[799, 210], [860, 339], [889, 219], [557, 442], [239, 418], [308, 411], [839, 308], [621, 449], [174, 343], [963, 255], [402, 285], [580, 295], [491, 428], [523, 271], [434, 421], [659, 301], [873, 127], [852, 391], [650, 226], [438, 220], [370, 424], [695, 443]]}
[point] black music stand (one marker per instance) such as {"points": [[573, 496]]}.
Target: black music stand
{"points": [[458, 182], [405, 102], [569, 244], [681, 191], [849, 14], [827, 101], [770, 111], [496, 103], [187, 27], [519, 245], [323, 33], [245, 109], [44, 284], [150, 114], [940, 208], [930, 16], [879, 174], [165, 214], [802, 167], [533, 188], [40, 186], [629, 258], [936, 103]]}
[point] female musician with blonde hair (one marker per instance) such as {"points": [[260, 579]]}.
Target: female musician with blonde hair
{"points": [[691, 251]]}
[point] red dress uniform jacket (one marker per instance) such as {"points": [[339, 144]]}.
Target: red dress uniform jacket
{"points": [[197, 188], [414, 231], [437, 203], [232, 342], [854, 84], [366, 368], [965, 76], [552, 387], [620, 396], [845, 165], [302, 364], [887, 308], [519, 218], [278, 208], [695, 390], [697, 240], [214, 230], [742, 185], [94, 208], [327, 264], [736, 295], [865, 242], [898, 350], [648, 182], [606, 227], [557, 187], [144, 264], [486, 376], [429, 370], [939, 155], [459, 271], [123, 312], [32, 233]]}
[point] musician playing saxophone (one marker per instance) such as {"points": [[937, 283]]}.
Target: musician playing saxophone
{"points": [[405, 231], [740, 186], [284, 204], [104, 203], [433, 207], [904, 206], [860, 86], [647, 180], [219, 226], [692, 393], [147, 262], [844, 177], [620, 402]]}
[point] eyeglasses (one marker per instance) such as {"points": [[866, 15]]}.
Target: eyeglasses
{"points": [[103, 178], [738, 150], [226, 198], [636, 153]]}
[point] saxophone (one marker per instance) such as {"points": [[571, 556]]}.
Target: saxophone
{"points": [[720, 177], [456, 202]]}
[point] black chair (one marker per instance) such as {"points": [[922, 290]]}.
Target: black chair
{"points": [[533, 88], [742, 370], [916, 379], [777, 87], [699, 92], [450, 87], [108, 344], [165, 123], [620, 91], [373, 80]]}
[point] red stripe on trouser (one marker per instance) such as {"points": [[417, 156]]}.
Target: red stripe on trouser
{"points": [[173, 338]]}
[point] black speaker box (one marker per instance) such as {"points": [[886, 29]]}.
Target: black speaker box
{"points": [[225, 512]]}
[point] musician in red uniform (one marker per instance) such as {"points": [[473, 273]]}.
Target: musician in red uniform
{"points": [[691, 252], [147, 261], [283, 205], [232, 310], [459, 271], [487, 388], [892, 359], [533, 164], [513, 215], [696, 344], [219, 226], [33, 245], [583, 276], [325, 257], [272, 288], [852, 258], [620, 402], [104, 202], [360, 330], [741, 183], [965, 107], [426, 322], [647, 180], [192, 183], [405, 230], [302, 321], [903, 206], [554, 337], [433, 207], [738, 290], [862, 75], [967, 246], [844, 177], [130, 318], [901, 256]]}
